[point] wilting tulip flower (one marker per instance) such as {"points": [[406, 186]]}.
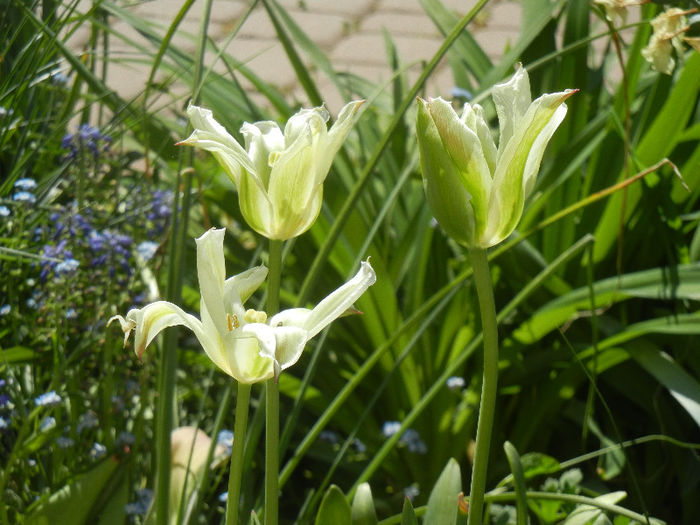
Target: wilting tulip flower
{"points": [[279, 176], [475, 190], [243, 343], [669, 27]]}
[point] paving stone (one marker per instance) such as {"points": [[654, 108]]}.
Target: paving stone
{"points": [[505, 15], [400, 6], [353, 8], [370, 48], [228, 10], [400, 24], [165, 9], [257, 25], [494, 41], [323, 29], [349, 32], [266, 58]]}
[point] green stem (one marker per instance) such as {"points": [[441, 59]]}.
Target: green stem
{"points": [[487, 408], [272, 395], [239, 432]]}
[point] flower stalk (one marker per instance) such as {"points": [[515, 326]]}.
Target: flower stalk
{"points": [[236, 473], [272, 416], [489, 385]]}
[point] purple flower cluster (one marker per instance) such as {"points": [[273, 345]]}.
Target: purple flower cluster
{"points": [[75, 239], [87, 138]]}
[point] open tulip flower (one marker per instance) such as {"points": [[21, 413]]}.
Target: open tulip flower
{"points": [[279, 176], [243, 343], [477, 191]]}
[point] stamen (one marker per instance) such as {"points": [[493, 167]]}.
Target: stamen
{"points": [[232, 321]]}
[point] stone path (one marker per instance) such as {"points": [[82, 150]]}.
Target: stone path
{"points": [[349, 32]]}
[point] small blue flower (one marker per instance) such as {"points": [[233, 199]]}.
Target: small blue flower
{"points": [[87, 420], [64, 442], [413, 442], [458, 92], [48, 423], [67, 266], [140, 507], [146, 250], [329, 436], [98, 451], [31, 303], [125, 438], [4, 423], [25, 183], [360, 447], [4, 400], [59, 78], [223, 497], [71, 313], [225, 439], [411, 492], [389, 428], [455, 383], [24, 196], [48, 399], [5, 309], [4, 211], [31, 462]]}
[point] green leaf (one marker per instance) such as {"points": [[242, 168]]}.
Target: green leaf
{"points": [[17, 354], [535, 463], [442, 503], [363, 512], [584, 514], [680, 282], [72, 504], [518, 481], [681, 385], [114, 512], [334, 510], [408, 516]]}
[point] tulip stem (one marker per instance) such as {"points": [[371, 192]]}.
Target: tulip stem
{"points": [[239, 434], [487, 408], [272, 410]]}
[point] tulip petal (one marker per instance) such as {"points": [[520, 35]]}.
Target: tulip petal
{"points": [[150, 320], [290, 345], [211, 270], [340, 128], [209, 135], [449, 201], [261, 140], [245, 363], [512, 100], [464, 147], [519, 163], [473, 117], [293, 189], [239, 288], [340, 300], [313, 119]]}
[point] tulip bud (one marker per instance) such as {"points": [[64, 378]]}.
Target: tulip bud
{"points": [[477, 191]]}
